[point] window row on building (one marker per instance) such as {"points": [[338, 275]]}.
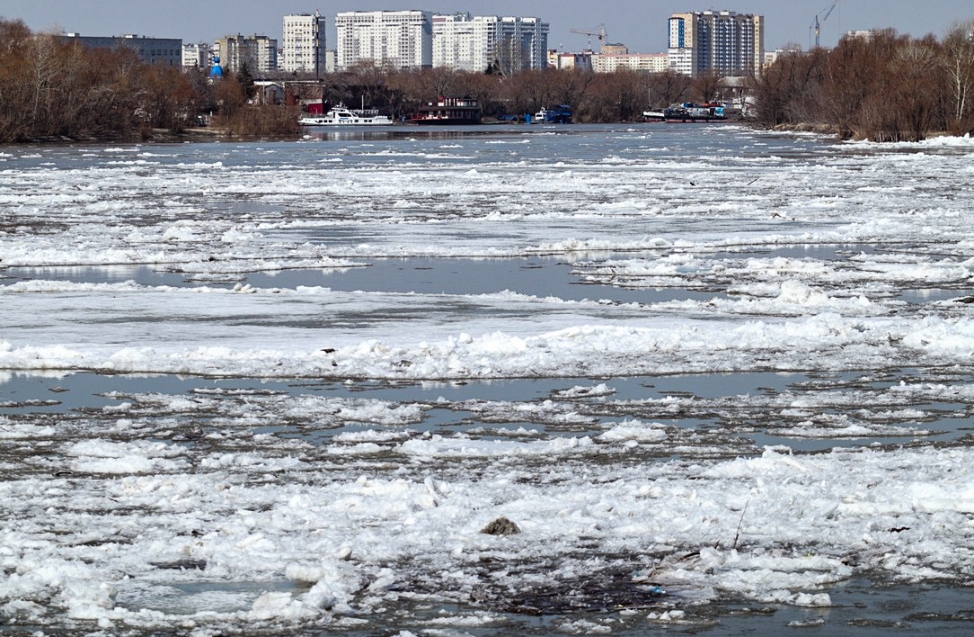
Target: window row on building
{"points": [[160, 51], [721, 41], [304, 44], [397, 39], [410, 39]]}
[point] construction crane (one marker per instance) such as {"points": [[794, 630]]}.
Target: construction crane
{"points": [[817, 26], [600, 34]]}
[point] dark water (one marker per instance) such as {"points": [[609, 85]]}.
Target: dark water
{"points": [[540, 277], [536, 276], [741, 405], [861, 608]]}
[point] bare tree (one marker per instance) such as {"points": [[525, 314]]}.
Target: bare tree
{"points": [[484, 88], [790, 91], [440, 81], [705, 86], [370, 81], [230, 97], [43, 67], [958, 63], [572, 85], [774, 91], [517, 92], [170, 100], [77, 110], [914, 101], [14, 93], [668, 87], [857, 80], [624, 94]]}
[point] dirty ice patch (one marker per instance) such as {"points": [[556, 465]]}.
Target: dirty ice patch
{"points": [[103, 456], [440, 447], [634, 430]]}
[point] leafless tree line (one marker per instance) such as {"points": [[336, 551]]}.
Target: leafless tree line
{"points": [[883, 87], [594, 97], [52, 88]]}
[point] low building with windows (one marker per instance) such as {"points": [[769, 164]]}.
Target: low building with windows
{"points": [[566, 60], [645, 62], [157, 51]]}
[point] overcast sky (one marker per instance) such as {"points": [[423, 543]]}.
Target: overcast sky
{"points": [[639, 24]]}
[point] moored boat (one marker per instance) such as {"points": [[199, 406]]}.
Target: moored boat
{"points": [[689, 112], [448, 110], [561, 114], [340, 115]]}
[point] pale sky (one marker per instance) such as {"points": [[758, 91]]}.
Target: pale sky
{"points": [[641, 25]]}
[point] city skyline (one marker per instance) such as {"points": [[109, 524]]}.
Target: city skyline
{"points": [[641, 28]]}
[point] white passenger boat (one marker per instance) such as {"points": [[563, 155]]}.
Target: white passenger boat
{"points": [[342, 116]]}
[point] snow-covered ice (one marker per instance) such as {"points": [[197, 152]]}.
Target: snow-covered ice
{"points": [[187, 444]]}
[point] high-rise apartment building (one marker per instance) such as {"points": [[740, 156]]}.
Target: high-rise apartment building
{"points": [[724, 42], [303, 49], [257, 52], [400, 39], [464, 42], [474, 43], [532, 33], [196, 56]]}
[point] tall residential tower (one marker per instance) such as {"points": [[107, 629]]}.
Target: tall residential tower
{"points": [[724, 42], [303, 50], [474, 43], [400, 39]]}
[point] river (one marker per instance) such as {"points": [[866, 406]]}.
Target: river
{"points": [[717, 379]]}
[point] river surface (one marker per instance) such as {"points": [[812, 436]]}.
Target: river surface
{"points": [[719, 380]]}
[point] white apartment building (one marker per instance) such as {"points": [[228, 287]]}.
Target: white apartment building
{"points": [[725, 42], [196, 56], [400, 39], [257, 52], [472, 43], [464, 42], [532, 34], [303, 49]]}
